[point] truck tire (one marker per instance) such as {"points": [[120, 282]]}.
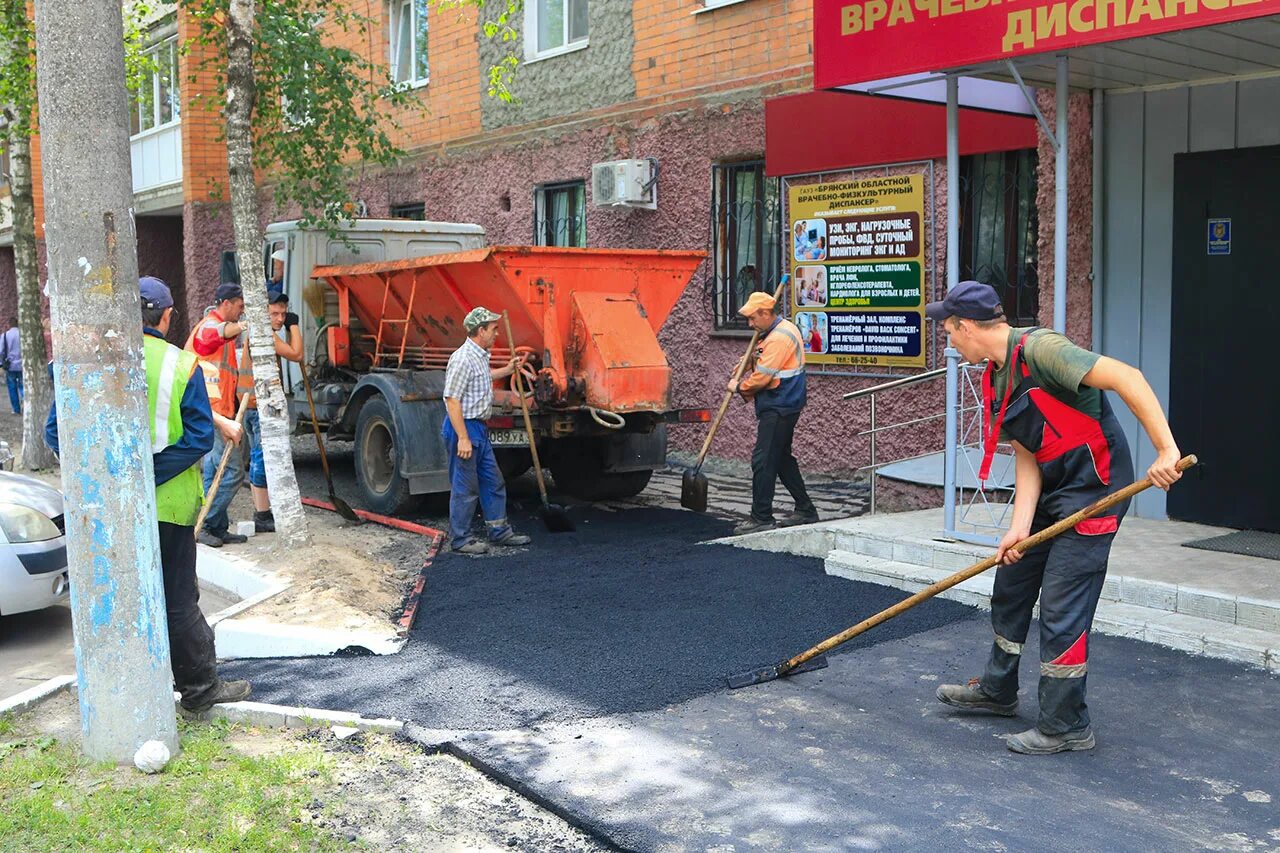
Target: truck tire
{"points": [[588, 483], [377, 453]]}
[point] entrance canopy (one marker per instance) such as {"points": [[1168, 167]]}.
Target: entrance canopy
{"points": [[1111, 43]]}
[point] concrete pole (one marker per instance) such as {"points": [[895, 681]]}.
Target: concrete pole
{"points": [[117, 594], [1060, 204], [951, 450]]}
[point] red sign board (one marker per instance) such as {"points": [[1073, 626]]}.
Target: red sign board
{"points": [[859, 40]]}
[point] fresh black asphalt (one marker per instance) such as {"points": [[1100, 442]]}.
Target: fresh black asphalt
{"points": [[629, 613]]}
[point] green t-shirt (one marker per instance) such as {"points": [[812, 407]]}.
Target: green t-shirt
{"points": [[1057, 365]]}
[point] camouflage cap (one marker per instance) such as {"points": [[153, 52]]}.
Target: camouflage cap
{"points": [[479, 316]]}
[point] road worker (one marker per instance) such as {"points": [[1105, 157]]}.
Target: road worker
{"points": [[776, 383], [1045, 395]]}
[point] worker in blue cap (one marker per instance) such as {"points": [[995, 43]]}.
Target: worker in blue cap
{"points": [[182, 430]]}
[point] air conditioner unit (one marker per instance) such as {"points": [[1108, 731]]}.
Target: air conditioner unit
{"points": [[625, 183]]}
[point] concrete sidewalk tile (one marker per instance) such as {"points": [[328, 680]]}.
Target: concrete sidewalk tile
{"points": [[912, 552], [1154, 594], [1207, 604], [1258, 613], [952, 561], [1243, 645], [1184, 633], [872, 547], [1111, 588], [1122, 620]]}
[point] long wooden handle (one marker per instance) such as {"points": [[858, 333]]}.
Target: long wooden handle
{"points": [[524, 410], [978, 568], [737, 377], [324, 457], [222, 466]]}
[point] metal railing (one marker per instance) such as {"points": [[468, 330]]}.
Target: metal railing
{"points": [[964, 413]]}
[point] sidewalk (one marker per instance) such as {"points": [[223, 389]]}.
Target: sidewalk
{"points": [[1202, 602]]}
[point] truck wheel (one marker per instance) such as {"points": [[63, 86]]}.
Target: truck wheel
{"points": [[377, 455], [589, 484]]}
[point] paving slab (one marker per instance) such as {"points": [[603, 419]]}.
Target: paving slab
{"points": [[861, 757]]}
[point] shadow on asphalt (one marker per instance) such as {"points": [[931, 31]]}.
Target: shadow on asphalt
{"points": [[629, 613]]}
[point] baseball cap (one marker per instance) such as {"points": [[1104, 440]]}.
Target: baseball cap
{"points": [[757, 301], [154, 293], [969, 300], [277, 297], [479, 316], [226, 291]]}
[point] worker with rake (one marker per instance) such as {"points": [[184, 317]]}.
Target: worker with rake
{"points": [[1045, 395]]}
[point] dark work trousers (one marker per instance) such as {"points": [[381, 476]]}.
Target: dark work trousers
{"points": [[772, 460], [190, 637], [1067, 574]]}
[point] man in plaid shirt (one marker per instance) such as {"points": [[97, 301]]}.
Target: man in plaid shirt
{"points": [[474, 476]]}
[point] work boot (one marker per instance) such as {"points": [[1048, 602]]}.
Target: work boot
{"points": [[226, 691], [971, 697], [511, 539], [1036, 742], [264, 522], [751, 525], [474, 548], [230, 538], [207, 537], [796, 517]]}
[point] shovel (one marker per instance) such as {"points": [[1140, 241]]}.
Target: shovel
{"points": [[339, 504], [812, 658], [693, 485], [553, 515]]}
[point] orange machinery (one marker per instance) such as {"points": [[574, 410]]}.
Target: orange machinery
{"points": [[588, 319]]}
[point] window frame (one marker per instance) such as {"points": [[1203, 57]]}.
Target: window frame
{"points": [[532, 52], [724, 236], [419, 25], [169, 43], [415, 211], [1012, 250], [542, 235]]}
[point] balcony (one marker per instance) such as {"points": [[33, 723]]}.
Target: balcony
{"points": [[156, 156]]}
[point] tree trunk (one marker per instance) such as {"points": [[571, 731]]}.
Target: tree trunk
{"points": [[286, 502], [37, 389], [117, 601]]}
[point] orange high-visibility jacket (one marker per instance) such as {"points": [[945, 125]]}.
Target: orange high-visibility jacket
{"points": [[777, 381]]}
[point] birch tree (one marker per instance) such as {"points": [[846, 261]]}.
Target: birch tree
{"points": [[17, 98]]}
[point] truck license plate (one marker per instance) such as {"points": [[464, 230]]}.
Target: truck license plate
{"points": [[508, 438]]}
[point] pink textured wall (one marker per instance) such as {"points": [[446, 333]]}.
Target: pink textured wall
{"points": [[160, 255], [1079, 216], [206, 231], [8, 285]]}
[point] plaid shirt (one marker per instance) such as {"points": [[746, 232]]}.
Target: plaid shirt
{"points": [[468, 380]]}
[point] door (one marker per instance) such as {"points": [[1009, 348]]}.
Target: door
{"points": [[1224, 388]]}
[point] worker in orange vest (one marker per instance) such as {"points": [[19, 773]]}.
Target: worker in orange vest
{"points": [[776, 383]]}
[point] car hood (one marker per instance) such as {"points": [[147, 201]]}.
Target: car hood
{"points": [[30, 492]]}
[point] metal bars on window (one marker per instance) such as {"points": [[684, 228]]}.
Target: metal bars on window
{"points": [[560, 214], [746, 232], [999, 229]]}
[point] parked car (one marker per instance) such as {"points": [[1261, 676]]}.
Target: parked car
{"points": [[33, 548]]}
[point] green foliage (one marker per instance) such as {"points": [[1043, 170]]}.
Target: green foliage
{"points": [[498, 28], [17, 66], [139, 65]]}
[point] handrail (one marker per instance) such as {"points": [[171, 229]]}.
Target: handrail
{"points": [[897, 383]]}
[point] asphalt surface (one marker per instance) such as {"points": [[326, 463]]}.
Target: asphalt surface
{"points": [[629, 613]]}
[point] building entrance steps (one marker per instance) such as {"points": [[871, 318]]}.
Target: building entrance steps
{"points": [[1221, 605]]}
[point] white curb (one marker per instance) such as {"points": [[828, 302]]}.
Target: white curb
{"points": [[19, 702]]}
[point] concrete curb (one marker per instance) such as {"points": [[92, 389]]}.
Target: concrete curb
{"points": [[27, 699], [1192, 634], [291, 717]]}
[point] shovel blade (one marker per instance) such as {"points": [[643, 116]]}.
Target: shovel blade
{"points": [[344, 509], [769, 673], [693, 491], [556, 519]]}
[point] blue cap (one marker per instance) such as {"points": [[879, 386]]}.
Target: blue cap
{"points": [[969, 300], [227, 290], [154, 293]]}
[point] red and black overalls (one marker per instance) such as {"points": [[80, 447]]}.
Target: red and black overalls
{"points": [[1081, 459]]}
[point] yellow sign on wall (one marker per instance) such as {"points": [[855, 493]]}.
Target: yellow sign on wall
{"points": [[857, 271]]}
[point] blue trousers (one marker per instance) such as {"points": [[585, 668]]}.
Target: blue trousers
{"points": [[217, 521], [477, 480], [13, 378]]}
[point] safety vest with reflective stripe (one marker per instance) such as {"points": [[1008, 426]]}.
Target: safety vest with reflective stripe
{"points": [[169, 369], [231, 374], [780, 356]]}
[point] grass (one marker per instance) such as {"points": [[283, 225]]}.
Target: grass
{"points": [[211, 797]]}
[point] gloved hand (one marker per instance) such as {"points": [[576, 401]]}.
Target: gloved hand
{"points": [[290, 319]]}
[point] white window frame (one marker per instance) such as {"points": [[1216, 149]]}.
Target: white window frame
{"points": [[175, 85], [396, 9], [531, 52], [540, 212]]}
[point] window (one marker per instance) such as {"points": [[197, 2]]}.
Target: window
{"points": [[554, 26], [560, 214], [409, 42], [999, 229], [415, 210], [746, 226], [157, 101]]}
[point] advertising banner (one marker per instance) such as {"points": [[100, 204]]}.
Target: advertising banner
{"points": [[857, 268]]}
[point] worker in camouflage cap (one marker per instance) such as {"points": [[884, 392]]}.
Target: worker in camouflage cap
{"points": [[477, 317]]}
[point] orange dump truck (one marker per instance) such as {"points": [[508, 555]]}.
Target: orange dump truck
{"points": [[587, 320]]}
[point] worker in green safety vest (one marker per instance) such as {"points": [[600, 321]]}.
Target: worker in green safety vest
{"points": [[182, 427]]}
